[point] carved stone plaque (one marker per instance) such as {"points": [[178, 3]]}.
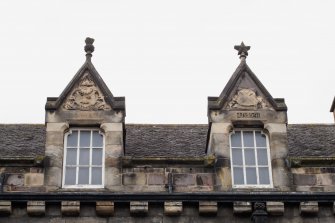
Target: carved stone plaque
{"points": [[86, 96], [247, 99]]}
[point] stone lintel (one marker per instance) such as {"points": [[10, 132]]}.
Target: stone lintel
{"points": [[5, 208], [36, 208], [242, 207], [208, 207], [70, 208], [309, 208], [139, 208], [173, 207], [275, 208], [105, 208]]}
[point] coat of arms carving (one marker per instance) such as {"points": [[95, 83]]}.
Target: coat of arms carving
{"points": [[247, 99], [86, 96]]}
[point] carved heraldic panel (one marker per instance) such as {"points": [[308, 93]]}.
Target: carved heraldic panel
{"points": [[247, 99], [86, 96]]}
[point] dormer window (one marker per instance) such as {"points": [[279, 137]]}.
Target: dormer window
{"points": [[83, 164], [250, 159]]}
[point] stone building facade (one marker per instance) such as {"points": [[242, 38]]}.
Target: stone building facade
{"points": [[86, 164]]}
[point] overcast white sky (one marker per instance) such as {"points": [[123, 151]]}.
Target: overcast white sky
{"points": [[166, 57]]}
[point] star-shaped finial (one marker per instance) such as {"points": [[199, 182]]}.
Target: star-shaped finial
{"points": [[242, 50]]}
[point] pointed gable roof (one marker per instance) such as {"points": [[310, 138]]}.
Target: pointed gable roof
{"points": [[242, 70], [117, 103]]}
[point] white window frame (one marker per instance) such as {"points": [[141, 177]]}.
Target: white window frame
{"points": [[256, 160], [84, 186]]}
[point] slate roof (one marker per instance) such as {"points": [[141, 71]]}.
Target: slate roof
{"points": [[311, 140], [22, 140], [168, 140]]}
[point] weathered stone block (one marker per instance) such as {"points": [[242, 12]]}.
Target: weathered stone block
{"points": [[53, 176], [278, 145], [325, 179], [111, 127], [138, 208], [184, 179], [275, 208], [54, 138], [36, 208], [304, 179], [114, 138], [112, 177], [205, 179], [208, 208], [5, 208], [60, 126], [223, 177], [113, 151], [172, 208], [70, 208], [105, 208], [134, 179], [33, 179], [156, 179], [54, 156], [309, 208], [242, 207], [221, 127], [15, 180]]}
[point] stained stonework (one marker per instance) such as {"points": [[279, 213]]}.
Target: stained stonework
{"points": [[247, 99], [86, 96]]}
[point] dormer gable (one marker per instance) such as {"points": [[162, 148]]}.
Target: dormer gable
{"points": [[86, 91], [244, 91]]}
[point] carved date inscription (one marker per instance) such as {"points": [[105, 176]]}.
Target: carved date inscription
{"points": [[248, 115]]}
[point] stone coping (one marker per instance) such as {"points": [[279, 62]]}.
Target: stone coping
{"points": [[312, 161], [207, 161], [22, 161]]}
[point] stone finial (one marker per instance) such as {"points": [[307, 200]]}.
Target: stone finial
{"points": [[89, 48], [242, 50]]}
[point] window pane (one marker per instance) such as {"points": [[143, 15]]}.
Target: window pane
{"points": [[72, 139], [71, 156], [251, 175], [248, 137], [237, 157], [97, 156], [97, 139], [70, 176], [264, 175], [85, 137], [97, 175], [236, 139], [249, 156], [84, 156], [238, 175], [83, 176], [260, 139], [262, 157]]}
